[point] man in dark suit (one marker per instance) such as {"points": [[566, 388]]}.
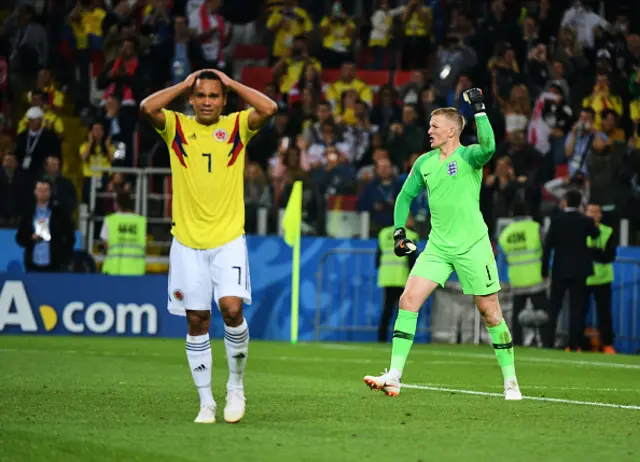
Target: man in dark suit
{"points": [[572, 264], [35, 144], [45, 233]]}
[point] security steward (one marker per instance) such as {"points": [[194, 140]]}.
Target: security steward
{"points": [[603, 253], [393, 272], [521, 242], [124, 234]]}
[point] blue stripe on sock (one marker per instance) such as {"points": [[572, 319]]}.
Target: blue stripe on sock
{"points": [[201, 348], [237, 340], [239, 334], [207, 343]]}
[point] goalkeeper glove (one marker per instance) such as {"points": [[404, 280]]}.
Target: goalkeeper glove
{"points": [[403, 246], [474, 97]]}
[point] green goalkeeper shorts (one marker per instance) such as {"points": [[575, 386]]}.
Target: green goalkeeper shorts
{"points": [[476, 268]]}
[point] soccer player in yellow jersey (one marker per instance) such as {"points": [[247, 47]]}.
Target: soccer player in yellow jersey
{"points": [[209, 252]]}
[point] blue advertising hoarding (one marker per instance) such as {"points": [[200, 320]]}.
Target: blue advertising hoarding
{"points": [[90, 304]]}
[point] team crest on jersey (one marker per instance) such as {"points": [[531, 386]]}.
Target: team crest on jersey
{"points": [[452, 168], [221, 135], [178, 295]]}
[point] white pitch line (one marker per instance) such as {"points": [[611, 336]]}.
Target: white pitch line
{"points": [[489, 356], [534, 359], [532, 398], [526, 387]]}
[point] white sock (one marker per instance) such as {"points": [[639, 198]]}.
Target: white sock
{"points": [[199, 357], [236, 342]]}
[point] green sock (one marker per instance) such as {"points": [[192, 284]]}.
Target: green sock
{"points": [[503, 346], [404, 331]]}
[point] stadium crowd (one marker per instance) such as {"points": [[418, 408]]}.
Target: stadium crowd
{"points": [[561, 81]]}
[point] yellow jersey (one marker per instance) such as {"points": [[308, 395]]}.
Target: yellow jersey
{"points": [[56, 97], [294, 71], [207, 177], [295, 23], [51, 121], [97, 159], [634, 113], [334, 94], [418, 27], [634, 110], [339, 36]]}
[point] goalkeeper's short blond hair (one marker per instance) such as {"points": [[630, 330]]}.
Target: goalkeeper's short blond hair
{"points": [[452, 114]]}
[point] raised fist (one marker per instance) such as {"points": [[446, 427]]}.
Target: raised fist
{"points": [[474, 97]]}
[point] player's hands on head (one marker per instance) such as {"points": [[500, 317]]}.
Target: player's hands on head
{"points": [[474, 97], [191, 78], [226, 80], [403, 246]]}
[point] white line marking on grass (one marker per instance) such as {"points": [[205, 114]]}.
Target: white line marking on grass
{"points": [[615, 390], [532, 398], [534, 359], [489, 356], [526, 387]]}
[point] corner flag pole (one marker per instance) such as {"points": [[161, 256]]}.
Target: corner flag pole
{"points": [[295, 288], [291, 223]]}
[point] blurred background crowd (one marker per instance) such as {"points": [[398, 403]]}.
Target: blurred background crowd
{"points": [[355, 81]]}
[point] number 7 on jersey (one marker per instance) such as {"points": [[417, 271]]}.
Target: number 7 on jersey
{"points": [[208, 156]]}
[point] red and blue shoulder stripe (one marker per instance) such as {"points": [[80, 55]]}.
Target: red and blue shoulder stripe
{"points": [[237, 147], [179, 142]]}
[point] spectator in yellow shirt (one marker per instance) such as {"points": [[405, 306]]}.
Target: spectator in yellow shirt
{"points": [[348, 81], [54, 98], [634, 111], [418, 33], [96, 152], [287, 22], [634, 107], [51, 120], [293, 64], [337, 36], [602, 99], [86, 24], [381, 31]]}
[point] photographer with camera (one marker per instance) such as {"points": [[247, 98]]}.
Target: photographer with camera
{"points": [[292, 66]]}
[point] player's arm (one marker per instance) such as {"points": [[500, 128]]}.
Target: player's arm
{"points": [[479, 154], [264, 107], [412, 186], [153, 105]]}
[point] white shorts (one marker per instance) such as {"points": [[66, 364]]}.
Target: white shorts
{"points": [[194, 275]]}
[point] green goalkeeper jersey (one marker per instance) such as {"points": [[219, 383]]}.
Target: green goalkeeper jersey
{"points": [[453, 192]]}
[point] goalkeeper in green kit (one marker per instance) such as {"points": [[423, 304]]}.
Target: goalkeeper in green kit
{"points": [[458, 241]]}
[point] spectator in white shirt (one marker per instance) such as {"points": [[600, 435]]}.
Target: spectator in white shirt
{"points": [[213, 33], [584, 21]]}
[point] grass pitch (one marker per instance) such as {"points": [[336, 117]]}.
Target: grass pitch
{"points": [[123, 399]]}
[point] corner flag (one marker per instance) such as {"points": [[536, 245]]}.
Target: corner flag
{"points": [[291, 222]]}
